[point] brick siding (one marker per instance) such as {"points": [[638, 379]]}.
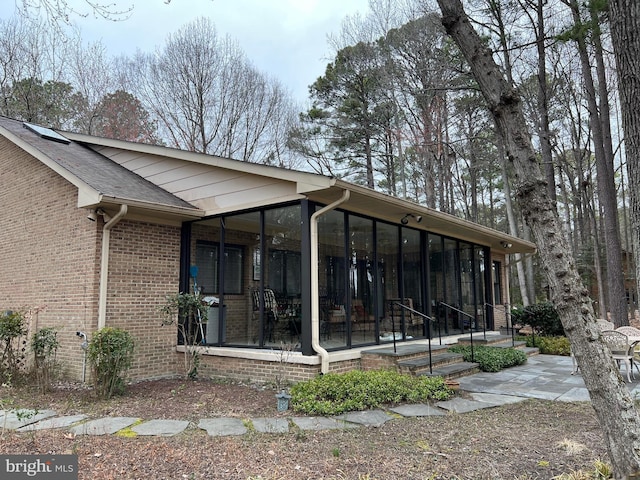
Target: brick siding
{"points": [[50, 262], [49, 252]]}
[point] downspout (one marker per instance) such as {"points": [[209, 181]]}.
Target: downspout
{"points": [[104, 266], [315, 296]]}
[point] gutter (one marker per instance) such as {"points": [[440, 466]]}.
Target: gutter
{"points": [[315, 295], [104, 265]]}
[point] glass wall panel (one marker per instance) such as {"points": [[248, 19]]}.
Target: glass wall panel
{"points": [[361, 281], [451, 264], [412, 272], [480, 274], [242, 323], [283, 277], [436, 283], [388, 280], [204, 271], [496, 276], [467, 287], [332, 279]]}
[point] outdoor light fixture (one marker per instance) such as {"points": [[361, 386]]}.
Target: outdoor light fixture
{"points": [[405, 220], [93, 215], [505, 244]]}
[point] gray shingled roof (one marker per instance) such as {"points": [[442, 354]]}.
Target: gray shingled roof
{"points": [[96, 170]]}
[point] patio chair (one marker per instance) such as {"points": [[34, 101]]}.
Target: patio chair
{"points": [[633, 335], [605, 325], [602, 325], [620, 349], [270, 311]]}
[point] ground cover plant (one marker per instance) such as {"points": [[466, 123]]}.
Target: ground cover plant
{"points": [[491, 359], [357, 390]]}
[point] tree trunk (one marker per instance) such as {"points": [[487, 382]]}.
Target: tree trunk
{"points": [[543, 105], [599, 121], [513, 229], [609, 395], [625, 32]]}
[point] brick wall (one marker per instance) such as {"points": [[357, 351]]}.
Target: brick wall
{"points": [[49, 252], [263, 371], [50, 262], [144, 268]]}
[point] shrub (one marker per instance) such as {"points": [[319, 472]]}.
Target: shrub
{"points": [[44, 345], [491, 359], [110, 355], [542, 317], [189, 311], [549, 345], [12, 328], [356, 390]]}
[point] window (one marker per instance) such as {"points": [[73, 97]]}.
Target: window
{"points": [[497, 282], [207, 260]]}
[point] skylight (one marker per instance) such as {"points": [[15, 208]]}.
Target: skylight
{"points": [[46, 133]]}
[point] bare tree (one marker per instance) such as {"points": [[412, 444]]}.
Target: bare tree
{"points": [[208, 98], [609, 395], [91, 71], [60, 11]]}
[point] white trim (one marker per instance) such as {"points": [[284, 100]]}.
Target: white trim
{"points": [[297, 358]]}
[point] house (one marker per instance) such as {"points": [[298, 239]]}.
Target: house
{"points": [[298, 268]]}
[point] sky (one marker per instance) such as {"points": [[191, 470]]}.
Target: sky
{"points": [[286, 39]]}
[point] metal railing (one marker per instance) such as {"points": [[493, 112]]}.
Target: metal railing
{"points": [[465, 314], [507, 316], [427, 320]]}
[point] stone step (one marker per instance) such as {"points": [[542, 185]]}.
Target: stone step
{"points": [[408, 351], [489, 340], [420, 364], [414, 358], [454, 370]]}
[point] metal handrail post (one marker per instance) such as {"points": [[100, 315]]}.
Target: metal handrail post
{"points": [[426, 317], [507, 316], [466, 315]]}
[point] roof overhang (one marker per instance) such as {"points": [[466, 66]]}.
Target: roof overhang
{"points": [[325, 190], [385, 207], [305, 181]]}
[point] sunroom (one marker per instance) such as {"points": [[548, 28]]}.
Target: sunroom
{"points": [[341, 270]]}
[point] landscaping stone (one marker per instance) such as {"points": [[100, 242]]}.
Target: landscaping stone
{"points": [[163, 428], [103, 426], [222, 426]]}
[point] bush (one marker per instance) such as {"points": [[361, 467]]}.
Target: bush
{"points": [[549, 345], [110, 355], [491, 359], [542, 317], [357, 390], [12, 346], [44, 345], [189, 311]]}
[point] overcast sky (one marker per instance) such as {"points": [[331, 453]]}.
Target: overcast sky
{"points": [[283, 38]]}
